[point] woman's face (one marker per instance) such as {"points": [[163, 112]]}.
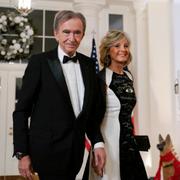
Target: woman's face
{"points": [[119, 52]]}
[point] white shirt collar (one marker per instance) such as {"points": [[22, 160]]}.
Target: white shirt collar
{"points": [[61, 54]]}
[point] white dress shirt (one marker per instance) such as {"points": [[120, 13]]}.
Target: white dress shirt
{"points": [[74, 81]]}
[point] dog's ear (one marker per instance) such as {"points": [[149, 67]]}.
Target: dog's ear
{"points": [[168, 139], [160, 138]]}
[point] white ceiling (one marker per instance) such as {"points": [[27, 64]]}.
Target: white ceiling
{"points": [[107, 1], [67, 3], [59, 0]]}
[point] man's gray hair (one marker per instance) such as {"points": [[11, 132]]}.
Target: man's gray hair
{"points": [[65, 15]]}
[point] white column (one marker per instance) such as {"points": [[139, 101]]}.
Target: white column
{"points": [[141, 64], [142, 117], [160, 74], [90, 9]]}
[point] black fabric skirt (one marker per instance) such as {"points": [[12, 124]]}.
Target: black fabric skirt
{"points": [[132, 166]]}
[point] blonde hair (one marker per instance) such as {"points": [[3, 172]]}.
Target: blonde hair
{"points": [[107, 41]]}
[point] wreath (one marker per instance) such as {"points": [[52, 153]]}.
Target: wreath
{"points": [[16, 36]]}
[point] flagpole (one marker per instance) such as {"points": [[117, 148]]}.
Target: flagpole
{"points": [[93, 33]]}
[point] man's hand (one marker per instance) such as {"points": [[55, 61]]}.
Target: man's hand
{"points": [[25, 168], [99, 160]]}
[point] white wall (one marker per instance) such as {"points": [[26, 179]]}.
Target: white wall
{"points": [[176, 71], [160, 74]]}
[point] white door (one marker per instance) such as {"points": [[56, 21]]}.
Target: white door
{"points": [[3, 114], [14, 80]]}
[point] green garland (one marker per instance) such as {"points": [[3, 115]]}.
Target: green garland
{"points": [[16, 36]]}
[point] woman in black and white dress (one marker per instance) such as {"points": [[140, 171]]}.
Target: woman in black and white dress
{"points": [[123, 160]]}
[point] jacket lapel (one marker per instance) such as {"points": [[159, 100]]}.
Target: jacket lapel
{"points": [[56, 69], [103, 86], [85, 70]]}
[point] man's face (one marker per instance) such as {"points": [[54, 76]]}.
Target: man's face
{"points": [[69, 35]]}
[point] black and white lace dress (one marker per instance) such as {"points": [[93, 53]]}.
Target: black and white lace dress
{"points": [[123, 159]]}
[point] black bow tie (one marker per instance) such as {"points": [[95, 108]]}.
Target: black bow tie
{"points": [[67, 58]]}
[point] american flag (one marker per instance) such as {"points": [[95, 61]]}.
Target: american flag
{"points": [[94, 55]]}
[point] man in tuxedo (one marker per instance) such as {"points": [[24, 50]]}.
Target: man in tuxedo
{"points": [[58, 104]]}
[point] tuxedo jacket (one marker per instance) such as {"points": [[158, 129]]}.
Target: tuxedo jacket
{"points": [[44, 123]]}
